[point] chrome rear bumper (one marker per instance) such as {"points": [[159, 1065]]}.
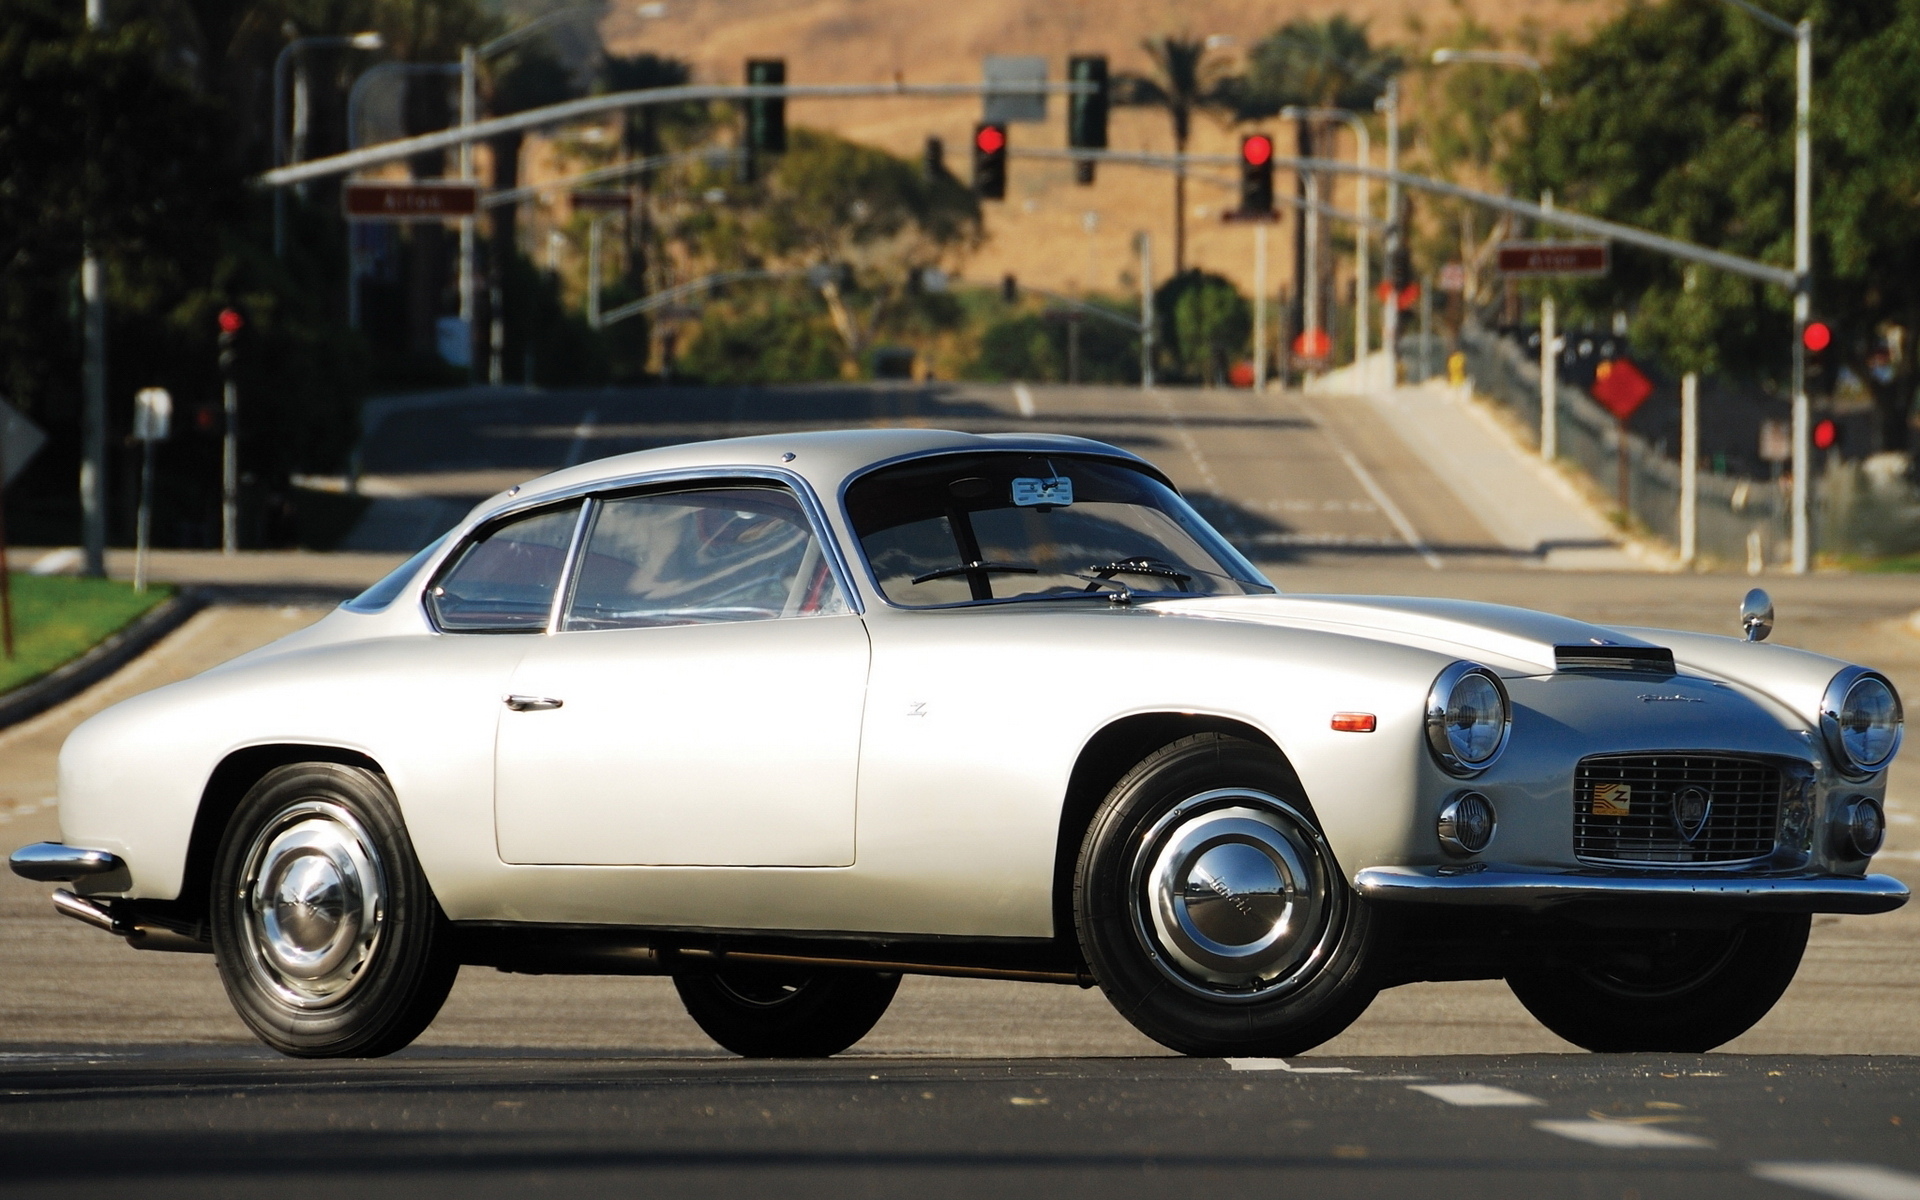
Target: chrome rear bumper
{"points": [[1543, 890], [52, 862]]}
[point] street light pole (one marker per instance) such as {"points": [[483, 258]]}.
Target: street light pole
{"points": [[369, 40], [93, 388], [1363, 149], [1802, 35], [1396, 235], [469, 103]]}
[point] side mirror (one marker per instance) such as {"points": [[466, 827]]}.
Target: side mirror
{"points": [[1756, 615]]}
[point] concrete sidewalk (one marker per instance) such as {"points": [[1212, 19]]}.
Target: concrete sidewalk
{"points": [[1522, 501]]}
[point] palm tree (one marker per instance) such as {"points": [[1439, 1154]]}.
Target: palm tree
{"points": [[1184, 82]]}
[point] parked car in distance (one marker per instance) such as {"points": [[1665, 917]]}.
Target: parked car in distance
{"points": [[789, 717]]}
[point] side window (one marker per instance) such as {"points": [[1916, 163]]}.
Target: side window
{"points": [[503, 581], [716, 554]]}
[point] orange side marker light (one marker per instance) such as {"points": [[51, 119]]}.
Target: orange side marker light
{"points": [[1354, 722]]}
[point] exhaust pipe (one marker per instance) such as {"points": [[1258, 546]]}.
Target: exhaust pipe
{"points": [[88, 912]]}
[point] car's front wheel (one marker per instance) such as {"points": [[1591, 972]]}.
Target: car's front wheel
{"points": [[1211, 908], [1678, 991], [328, 939], [779, 1011]]}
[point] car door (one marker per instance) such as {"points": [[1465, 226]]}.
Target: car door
{"points": [[700, 700]]}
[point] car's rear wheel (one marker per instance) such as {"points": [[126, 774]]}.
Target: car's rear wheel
{"points": [[1679, 991], [328, 939], [1212, 910], [779, 1011]]}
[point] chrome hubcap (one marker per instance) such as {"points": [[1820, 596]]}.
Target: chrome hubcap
{"points": [[313, 901], [1234, 895]]}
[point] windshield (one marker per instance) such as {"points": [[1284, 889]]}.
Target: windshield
{"points": [[970, 528]]}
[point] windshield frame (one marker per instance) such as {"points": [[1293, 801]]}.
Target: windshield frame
{"points": [[857, 548]]}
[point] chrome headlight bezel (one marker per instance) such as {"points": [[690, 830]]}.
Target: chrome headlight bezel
{"points": [[1439, 701], [1833, 705]]}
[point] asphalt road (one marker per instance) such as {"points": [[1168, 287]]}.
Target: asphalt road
{"points": [[1633, 1128], [119, 1067]]}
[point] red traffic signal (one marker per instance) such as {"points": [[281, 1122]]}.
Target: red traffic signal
{"points": [[1817, 336], [1257, 149], [990, 161], [230, 321], [990, 139], [1825, 434]]}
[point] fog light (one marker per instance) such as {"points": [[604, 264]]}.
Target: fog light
{"points": [[1859, 827], [1466, 824]]}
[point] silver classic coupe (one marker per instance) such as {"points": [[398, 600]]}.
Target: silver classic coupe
{"points": [[788, 717]]}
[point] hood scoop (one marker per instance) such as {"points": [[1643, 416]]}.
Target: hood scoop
{"points": [[1643, 659]]}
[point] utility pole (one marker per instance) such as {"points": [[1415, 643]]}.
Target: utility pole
{"points": [[469, 103], [1260, 307], [1802, 290], [1310, 303], [1549, 369], [93, 388], [1145, 242], [230, 323], [1396, 235], [1689, 466]]}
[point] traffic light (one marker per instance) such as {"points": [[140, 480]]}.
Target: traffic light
{"points": [[1817, 336], [990, 161], [1009, 289], [766, 115], [230, 323], [933, 161], [1256, 174], [1087, 111]]}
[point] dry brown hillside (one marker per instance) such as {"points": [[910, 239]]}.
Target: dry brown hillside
{"points": [[1048, 231]]}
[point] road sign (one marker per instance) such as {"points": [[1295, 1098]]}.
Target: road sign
{"points": [[1453, 277], [427, 201], [152, 414], [20, 440], [1312, 345], [1004, 107], [1553, 258], [603, 200], [1620, 386]]}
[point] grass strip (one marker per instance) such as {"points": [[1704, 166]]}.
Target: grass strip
{"points": [[57, 618]]}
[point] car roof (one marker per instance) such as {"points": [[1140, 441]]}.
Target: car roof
{"points": [[824, 458]]}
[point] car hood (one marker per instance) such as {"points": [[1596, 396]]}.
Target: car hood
{"points": [[1513, 640]]}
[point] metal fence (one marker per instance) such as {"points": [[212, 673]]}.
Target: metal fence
{"points": [[1741, 521]]}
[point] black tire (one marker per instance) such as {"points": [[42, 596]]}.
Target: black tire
{"points": [[1668, 991], [1201, 808], [354, 958], [762, 1010]]}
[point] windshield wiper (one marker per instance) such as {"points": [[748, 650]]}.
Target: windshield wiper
{"points": [[1140, 566], [969, 568]]}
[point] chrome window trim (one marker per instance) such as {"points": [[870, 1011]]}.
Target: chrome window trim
{"points": [[595, 490], [489, 521], [1109, 455], [1831, 702], [570, 569]]}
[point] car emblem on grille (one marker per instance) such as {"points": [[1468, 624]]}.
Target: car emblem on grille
{"points": [[1690, 808]]}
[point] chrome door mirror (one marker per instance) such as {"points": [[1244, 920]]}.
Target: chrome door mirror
{"points": [[1756, 615]]}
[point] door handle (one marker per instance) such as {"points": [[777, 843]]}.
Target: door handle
{"points": [[533, 703]]}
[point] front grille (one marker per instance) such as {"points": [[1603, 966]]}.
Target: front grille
{"points": [[1624, 808]]}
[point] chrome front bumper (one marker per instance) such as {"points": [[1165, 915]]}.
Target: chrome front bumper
{"points": [[1542, 890], [51, 862]]}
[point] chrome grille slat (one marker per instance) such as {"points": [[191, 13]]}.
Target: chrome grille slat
{"points": [[1740, 826]]}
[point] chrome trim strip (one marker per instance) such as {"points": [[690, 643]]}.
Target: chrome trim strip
{"points": [[570, 568], [52, 862], [1541, 890]]}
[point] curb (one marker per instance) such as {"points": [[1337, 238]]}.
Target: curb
{"points": [[120, 648]]}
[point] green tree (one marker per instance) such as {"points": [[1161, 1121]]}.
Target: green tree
{"points": [[1185, 81], [1678, 117], [1206, 323]]}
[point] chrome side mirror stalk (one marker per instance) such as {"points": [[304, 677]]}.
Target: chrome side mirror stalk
{"points": [[1756, 615]]}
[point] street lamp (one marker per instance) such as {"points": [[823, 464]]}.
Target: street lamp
{"points": [[1802, 35], [368, 40], [1499, 58], [1363, 151]]}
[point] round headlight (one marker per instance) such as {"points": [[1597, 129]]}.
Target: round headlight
{"points": [[1862, 720], [1467, 718]]}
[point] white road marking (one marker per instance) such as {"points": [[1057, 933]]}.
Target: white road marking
{"points": [[1401, 525], [1476, 1095], [1190, 443], [577, 449], [1023, 396], [1850, 1181], [1281, 1064], [1624, 1135]]}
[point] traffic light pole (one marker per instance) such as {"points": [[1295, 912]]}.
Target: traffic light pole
{"points": [[1260, 307], [1145, 242], [1362, 335], [93, 389], [1389, 103], [1802, 300]]}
